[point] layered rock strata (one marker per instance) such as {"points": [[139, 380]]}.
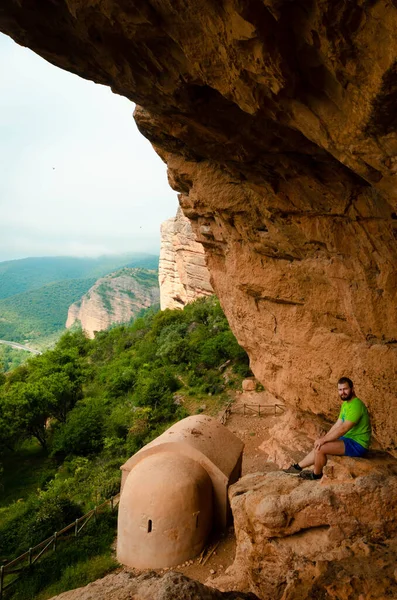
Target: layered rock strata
{"points": [[330, 539], [277, 121], [115, 298], [183, 274]]}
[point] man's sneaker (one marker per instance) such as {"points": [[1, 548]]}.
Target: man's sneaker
{"points": [[294, 469], [310, 475]]}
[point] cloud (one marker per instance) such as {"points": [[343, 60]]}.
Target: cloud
{"points": [[76, 175]]}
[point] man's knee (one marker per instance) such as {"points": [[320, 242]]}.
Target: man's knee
{"points": [[319, 451]]}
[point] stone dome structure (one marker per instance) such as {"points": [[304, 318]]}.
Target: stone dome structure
{"points": [[165, 512], [174, 490]]}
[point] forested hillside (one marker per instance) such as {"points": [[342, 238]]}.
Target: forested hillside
{"points": [[35, 293], [70, 417], [10, 358], [40, 312], [17, 276]]}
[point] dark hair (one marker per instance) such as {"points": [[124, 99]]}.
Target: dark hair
{"points": [[346, 380]]}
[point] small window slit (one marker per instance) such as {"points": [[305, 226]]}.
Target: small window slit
{"points": [[149, 526]]}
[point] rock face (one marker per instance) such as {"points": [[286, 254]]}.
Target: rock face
{"points": [[183, 274], [303, 539], [115, 298], [150, 586], [277, 122]]}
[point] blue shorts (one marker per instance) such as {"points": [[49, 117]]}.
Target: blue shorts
{"points": [[353, 448]]}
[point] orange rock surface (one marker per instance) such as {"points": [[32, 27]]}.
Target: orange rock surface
{"points": [[330, 539], [277, 122]]}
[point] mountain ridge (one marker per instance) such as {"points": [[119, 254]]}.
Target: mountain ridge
{"points": [[21, 275], [114, 299]]}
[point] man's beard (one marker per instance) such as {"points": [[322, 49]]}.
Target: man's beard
{"points": [[349, 397]]}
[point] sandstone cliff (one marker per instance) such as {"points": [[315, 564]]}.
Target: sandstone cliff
{"points": [[277, 122], [115, 298], [183, 274]]}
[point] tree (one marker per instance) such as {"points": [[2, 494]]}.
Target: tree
{"points": [[26, 410]]}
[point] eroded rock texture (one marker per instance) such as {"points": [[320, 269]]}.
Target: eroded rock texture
{"points": [[115, 298], [318, 540], [183, 274], [149, 586], [277, 121]]}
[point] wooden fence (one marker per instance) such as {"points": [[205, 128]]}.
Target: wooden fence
{"points": [[27, 559], [260, 409]]}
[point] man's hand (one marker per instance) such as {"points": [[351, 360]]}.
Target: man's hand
{"points": [[318, 443]]}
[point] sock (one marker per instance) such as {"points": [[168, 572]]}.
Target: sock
{"points": [[296, 466], [317, 476]]}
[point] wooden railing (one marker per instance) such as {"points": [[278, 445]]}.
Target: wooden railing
{"points": [[260, 409], [31, 556]]}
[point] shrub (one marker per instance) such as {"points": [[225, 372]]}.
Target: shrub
{"points": [[83, 432], [155, 387]]}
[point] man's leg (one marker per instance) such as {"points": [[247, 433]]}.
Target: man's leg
{"points": [[296, 468], [318, 458], [308, 461], [336, 448]]}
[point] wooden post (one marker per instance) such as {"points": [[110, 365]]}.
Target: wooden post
{"points": [[76, 528], [30, 557], [54, 543], [1, 580], [95, 514], [111, 503]]}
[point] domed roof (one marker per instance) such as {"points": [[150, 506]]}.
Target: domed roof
{"points": [[165, 511]]}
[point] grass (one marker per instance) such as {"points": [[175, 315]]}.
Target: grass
{"points": [[76, 562], [80, 574]]}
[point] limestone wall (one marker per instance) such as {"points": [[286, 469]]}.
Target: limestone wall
{"points": [[183, 273]]}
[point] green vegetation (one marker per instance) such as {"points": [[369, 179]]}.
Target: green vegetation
{"points": [[40, 312], [70, 417], [146, 279], [104, 290], [10, 358], [17, 276], [38, 316]]}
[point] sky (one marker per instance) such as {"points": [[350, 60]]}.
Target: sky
{"points": [[76, 176]]}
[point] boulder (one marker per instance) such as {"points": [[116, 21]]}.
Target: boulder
{"points": [[149, 586], [333, 538]]}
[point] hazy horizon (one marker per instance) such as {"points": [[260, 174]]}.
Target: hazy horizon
{"points": [[77, 179], [110, 254]]}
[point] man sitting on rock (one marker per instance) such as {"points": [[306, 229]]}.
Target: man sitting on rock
{"points": [[349, 436]]}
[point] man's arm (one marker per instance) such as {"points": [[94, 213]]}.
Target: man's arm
{"points": [[336, 431]]}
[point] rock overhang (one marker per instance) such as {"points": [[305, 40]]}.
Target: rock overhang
{"points": [[276, 121]]}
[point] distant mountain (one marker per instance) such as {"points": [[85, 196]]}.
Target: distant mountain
{"points": [[35, 293], [41, 312], [115, 298], [17, 276]]}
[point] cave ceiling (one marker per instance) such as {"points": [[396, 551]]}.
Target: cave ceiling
{"points": [[277, 120]]}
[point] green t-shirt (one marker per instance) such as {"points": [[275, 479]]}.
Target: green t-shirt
{"points": [[355, 410]]}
